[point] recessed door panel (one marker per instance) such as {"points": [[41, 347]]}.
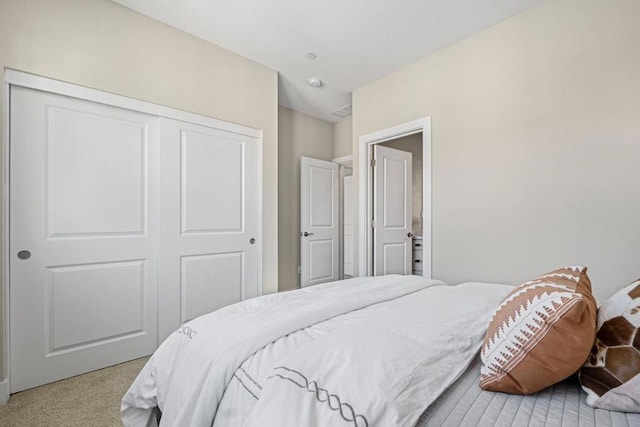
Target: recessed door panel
{"points": [[394, 193], [395, 258], [209, 282], [111, 295], [96, 174], [321, 191], [212, 173], [321, 251]]}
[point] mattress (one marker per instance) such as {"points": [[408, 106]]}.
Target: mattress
{"points": [[563, 405]]}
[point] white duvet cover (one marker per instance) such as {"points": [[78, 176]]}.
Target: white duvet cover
{"points": [[360, 352]]}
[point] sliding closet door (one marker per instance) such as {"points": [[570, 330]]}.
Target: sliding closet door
{"points": [[84, 200], [210, 217]]}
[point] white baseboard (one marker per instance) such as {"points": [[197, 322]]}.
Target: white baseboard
{"points": [[4, 392]]}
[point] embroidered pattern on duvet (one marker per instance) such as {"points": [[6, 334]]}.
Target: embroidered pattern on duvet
{"points": [[248, 383], [345, 410]]}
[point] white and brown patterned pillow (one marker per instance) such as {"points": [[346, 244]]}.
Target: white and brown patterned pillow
{"points": [[540, 334], [611, 375]]}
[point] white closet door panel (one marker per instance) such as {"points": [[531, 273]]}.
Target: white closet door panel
{"points": [[210, 216], [209, 282], [95, 174], [91, 291], [84, 180], [208, 159]]}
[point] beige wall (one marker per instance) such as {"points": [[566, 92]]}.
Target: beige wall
{"points": [[536, 142], [413, 144], [99, 44], [342, 137], [298, 135]]}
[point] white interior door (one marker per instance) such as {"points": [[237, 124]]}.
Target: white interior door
{"points": [[392, 197], [84, 180], [319, 227], [210, 221], [348, 225]]}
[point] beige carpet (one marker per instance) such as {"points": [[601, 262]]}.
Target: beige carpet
{"points": [[91, 399]]}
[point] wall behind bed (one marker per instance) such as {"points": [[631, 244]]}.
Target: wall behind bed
{"points": [[536, 143], [100, 44]]}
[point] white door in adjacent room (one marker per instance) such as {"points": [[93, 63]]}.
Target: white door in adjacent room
{"points": [[210, 219], [319, 227], [84, 194], [392, 198]]}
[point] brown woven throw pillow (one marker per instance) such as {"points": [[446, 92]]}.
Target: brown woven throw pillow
{"points": [[540, 334], [611, 375]]}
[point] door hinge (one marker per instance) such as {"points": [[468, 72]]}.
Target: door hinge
{"points": [[374, 224], [373, 163]]}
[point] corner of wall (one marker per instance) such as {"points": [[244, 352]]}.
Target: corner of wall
{"points": [[4, 392], [342, 137]]}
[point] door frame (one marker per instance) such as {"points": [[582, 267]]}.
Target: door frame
{"points": [[32, 81], [365, 190]]}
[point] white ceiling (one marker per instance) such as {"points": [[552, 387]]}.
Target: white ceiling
{"points": [[356, 41]]}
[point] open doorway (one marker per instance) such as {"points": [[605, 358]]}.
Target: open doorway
{"points": [[411, 235], [418, 224]]}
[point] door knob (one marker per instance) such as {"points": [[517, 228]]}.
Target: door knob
{"points": [[24, 255], [305, 234], [409, 234]]}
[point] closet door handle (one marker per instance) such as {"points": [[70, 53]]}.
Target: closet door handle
{"points": [[305, 234]]}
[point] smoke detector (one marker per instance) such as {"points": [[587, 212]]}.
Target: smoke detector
{"points": [[315, 82], [343, 111]]}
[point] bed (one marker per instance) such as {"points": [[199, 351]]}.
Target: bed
{"points": [[564, 404], [390, 350]]}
